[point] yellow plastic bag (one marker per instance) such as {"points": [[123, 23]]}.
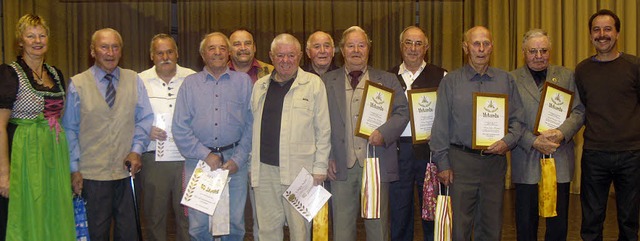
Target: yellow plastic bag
{"points": [[547, 188], [321, 224], [370, 190]]}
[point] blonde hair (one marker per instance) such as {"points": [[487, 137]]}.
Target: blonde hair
{"points": [[28, 20]]}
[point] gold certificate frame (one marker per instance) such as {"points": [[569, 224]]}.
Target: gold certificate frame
{"points": [[555, 106], [375, 108], [490, 118], [422, 110]]}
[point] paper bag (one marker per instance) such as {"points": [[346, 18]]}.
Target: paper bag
{"points": [[430, 190], [80, 213], [219, 221], [443, 218], [370, 191], [547, 188]]}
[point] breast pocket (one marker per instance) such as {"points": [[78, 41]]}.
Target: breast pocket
{"points": [[235, 112]]}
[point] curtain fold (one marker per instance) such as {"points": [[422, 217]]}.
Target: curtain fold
{"points": [[73, 21]]}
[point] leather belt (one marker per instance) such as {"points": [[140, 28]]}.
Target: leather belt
{"points": [[469, 150], [224, 148]]}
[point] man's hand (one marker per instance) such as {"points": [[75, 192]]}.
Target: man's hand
{"points": [[318, 179], [376, 138], [214, 161], [76, 182], [4, 185], [135, 162], [499, 147], [544, 145], [332, 170], [445, 177], [158, 134], [553, 135], [231, 166]]}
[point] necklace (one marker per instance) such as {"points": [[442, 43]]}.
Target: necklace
{"points": [[38, 77]]}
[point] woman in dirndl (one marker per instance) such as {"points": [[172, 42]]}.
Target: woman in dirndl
{"points": [[35, 181]]}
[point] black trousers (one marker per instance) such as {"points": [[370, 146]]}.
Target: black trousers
{"points": [[4, 211], [599, 170], [527, 213], [107, 201]]}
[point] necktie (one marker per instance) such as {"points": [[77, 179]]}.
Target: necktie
{"points": [[354, 75], [110, 96]]}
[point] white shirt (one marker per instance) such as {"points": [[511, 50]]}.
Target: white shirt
{"points": [[408, 78], [162, 95]]}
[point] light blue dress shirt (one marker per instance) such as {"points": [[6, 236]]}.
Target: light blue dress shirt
{"points": [[71, 118], [214, 112]]}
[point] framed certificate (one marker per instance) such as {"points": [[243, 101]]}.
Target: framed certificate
{"points": [[555, 103], [422, 110], [375, 108], [490, 116]]}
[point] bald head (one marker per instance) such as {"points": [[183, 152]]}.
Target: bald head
{"points": [[478, 46]]}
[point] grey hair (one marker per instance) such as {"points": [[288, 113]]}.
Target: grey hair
{"points": [[319, 32], [219, 34], [534, 33], [354, 29], [285, 38]]}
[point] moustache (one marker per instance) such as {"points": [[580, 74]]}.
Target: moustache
{"points": [[243, 52], [166, 62], [603, 38]]}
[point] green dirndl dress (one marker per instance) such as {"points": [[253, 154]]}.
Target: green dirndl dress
{"points": [[40, 196]]}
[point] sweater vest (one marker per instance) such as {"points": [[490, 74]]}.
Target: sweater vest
{"points": [[106, 134]]}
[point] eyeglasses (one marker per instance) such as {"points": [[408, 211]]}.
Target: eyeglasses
{"points": [[409, 43], [536, 51]]}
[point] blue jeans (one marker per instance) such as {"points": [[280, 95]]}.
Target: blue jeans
{"points": [[199, 221]]}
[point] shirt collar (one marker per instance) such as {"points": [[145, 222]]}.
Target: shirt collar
{"points": [[99, 73], [404, 69], [209, 76], [471, 72]]}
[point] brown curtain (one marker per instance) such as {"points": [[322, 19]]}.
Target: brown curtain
{"points": [[73, 21]]}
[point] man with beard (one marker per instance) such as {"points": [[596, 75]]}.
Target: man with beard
{"points": [[609, 85], [162, 180]]}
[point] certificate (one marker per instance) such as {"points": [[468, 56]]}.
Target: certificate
{"points": [[375, 108], [555, 103], [490, 115], [166, 150], [304, 196], [205, 188], [422, 107]]}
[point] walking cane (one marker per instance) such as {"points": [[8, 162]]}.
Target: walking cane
{"points": [[135, 201]]}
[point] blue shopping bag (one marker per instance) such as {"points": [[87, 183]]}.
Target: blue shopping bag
{"points": [[80, 213]]}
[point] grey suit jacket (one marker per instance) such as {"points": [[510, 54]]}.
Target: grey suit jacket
{"points": [[391, 130], [525, 161]]}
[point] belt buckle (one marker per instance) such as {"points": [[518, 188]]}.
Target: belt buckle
{"points": [[216, 149], [482, 152]]}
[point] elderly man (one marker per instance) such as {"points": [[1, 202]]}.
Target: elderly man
{"points": [[320, 50], [212, 123], [476, 191], [162, 180], [243, 51], [108, 118], [525, 164], [348, 152], [291, 133], [413, 73], [609, 85]]}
